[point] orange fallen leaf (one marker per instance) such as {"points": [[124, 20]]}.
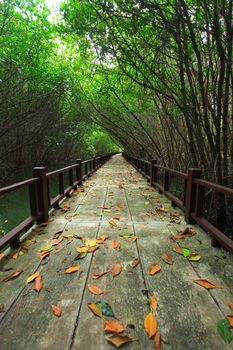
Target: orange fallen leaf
{"points": [[93, 249], [118, 209], [2, 256], [154, 269], [230, 320], [118, 340], [15, 256], [133, 238], [116, 217], [95, 290], [103, 237], [12, 276], [57, 241], [95, 309], [56, 310], [150, 324], [186, 230], [116, 269], [96, 276], [112, 326], [33, 276], [177, 249], [153, 302], [113, 223], [72, 269], [135, 262], [43, 255], [115, 244], [157, 340], [230, 306], [38, 284], [167, 258], [206, 284]]}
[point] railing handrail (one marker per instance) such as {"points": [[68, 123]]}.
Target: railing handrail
{"points": [[193, 193], [39, 190]]}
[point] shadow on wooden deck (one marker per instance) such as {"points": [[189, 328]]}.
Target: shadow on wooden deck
{"points": [[187, 313]]}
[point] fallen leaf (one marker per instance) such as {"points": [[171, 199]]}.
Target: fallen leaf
{"points": [[96, 276], [90, 243], [2, 256], [134, 238], [72, 269], [150, 324], [32, 277], [115, 244], [38, 284], [157, 340], [206, 284], [47, 248], [154, 269], [116, 269], [224, 330], [118, 340], [116, 217], [194, 257], [135, 262], [95, 309], [177, 249], [82, 249], [103, 237], [57, 241], [185, 231], [56, 310], [230, 306], [58, 249], [112, 326], [93, 249], [186, 252], [113, 223], [153, 302], [230, 320], [118, 209], [95, 290], [15, 256], [167, 258], [80, 256], [12, 276], [43, 255], [105, 308], [126, 235]]}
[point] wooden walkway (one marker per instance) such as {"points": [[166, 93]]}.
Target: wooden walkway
{"points": [[187, 313]]}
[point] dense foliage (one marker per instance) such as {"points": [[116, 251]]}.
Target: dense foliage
{"points": [[154, 75]]}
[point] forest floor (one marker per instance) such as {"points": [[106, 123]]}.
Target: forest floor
{"points": [[132, 226]]}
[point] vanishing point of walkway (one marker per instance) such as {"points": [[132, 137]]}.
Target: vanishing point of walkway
{"points": [[142, 225]]}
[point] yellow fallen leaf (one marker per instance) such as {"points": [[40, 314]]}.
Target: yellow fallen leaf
{"points": [[153, 302], [82, 249], [194, 257], [150, 324], [95, 309], [33, 276], [90, 243]]}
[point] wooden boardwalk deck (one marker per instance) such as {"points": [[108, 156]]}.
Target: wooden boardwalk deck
{"points": [[187, 313]]}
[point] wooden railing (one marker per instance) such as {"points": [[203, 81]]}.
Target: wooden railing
{"points": [[192, 197], [39, 193]]}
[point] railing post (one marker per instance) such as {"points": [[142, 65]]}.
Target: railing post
{"points": [[79, 171], [153, 172], [42, 192], [166, 181], [191, 194], [138, 163], [61, 183], [94, 163]]}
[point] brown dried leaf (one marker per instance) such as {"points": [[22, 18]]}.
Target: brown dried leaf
{"points": [[230, 306], [43, 255], [184, 232], [116, 269], [95, 290], [38, 284], [206, 284], [154, 269], [56, 310], [72, 269], [135, 263], [157, 340], [112, 326], [12, 276], [113, 223], [118, 340], [2, 256], [167, 258], [115, 244], [230, 320], [57, 240], [177, 249], [116, 217], [96, 276], [58, 249]]}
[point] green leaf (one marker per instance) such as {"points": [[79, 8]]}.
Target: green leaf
{"points": [[105, 308], [126, 235], [186, 252], [224, 329]]}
